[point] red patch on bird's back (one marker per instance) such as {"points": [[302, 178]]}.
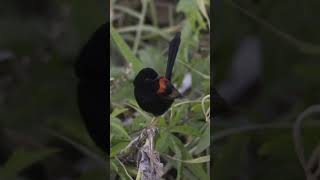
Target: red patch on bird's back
{"points": [[162, 85]]}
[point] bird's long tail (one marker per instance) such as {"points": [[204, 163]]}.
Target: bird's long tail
{"points": [[173, 51]]}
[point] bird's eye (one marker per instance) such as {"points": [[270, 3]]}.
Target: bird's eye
{"points": [[148, 80]]}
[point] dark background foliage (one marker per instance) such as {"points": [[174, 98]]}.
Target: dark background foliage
{"points": [[267, 62], [38, 108]]}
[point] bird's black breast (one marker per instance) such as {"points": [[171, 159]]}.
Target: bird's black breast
{"points": [[150, 102], [146, 85]]}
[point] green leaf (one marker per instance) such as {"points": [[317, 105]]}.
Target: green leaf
{"points": [[117, 148], [202, 159], [125, 50], [162, 123], [204, 141], [117, 111], [120, 169], [178, 114], [202, 7], [113, 166], [22, 159], [152, 57], [196, 108], [178, 154], [184, 129], [162, 144], [118, 128], [187, 6], [196, 169]]}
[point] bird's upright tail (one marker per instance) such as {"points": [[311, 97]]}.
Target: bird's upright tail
{"points": [[173, 51]]}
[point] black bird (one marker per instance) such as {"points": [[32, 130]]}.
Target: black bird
{"points": [[91, 69], [155, 94]]}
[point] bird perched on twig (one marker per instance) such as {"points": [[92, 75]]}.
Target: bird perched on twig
{"points": [[153, 93]]}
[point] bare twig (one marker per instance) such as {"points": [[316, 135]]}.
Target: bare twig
{"points": [[305, 47], [129, 153], [204, 111], [254, 127], [149, 165], [298, 143]]}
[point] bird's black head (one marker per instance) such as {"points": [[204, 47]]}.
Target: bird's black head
{"points": [[146, 78]]}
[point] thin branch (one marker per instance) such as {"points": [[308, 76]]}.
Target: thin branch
{"points": [[141, 22], [305, 47], [297, 138], [254, 127]]}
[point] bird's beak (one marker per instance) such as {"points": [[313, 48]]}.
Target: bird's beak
{"points": [[175, 94]]}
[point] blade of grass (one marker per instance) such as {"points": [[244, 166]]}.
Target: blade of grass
{"points": [[153, 12], [125, 50], [118, 128], [141, 22], [190, 102], [196, 169], [78, 146], [202, 159], [145, 115], [202, 8], [178, 153], [187, 130], [22, 159], [124, 168], [127, 10], [193, 69], [147, 28], [253, 127]]}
